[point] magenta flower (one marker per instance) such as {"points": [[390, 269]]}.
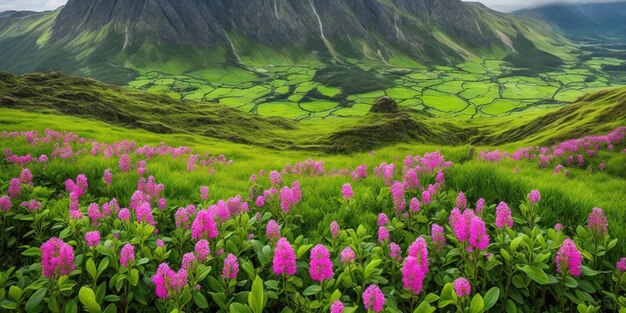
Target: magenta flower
{"points": [[202, 250], [503, 216], [57, 258], [168, 281], [419, 251], [569, 259], [5, 203], [144, 214], [92, 238], [373, 298], [621, 265], [438, 236], [272, 230], [127, 256], [462, 287], [480, 206], [32, 205], [337, 307], [124, 163], [382, 219], [124, 215], [162, 203], [189, 260], [347, 255], [597, 222], [160, 243], [335, 230], [181, 218], [399, 198], [275, 178], [461, 202], [414, 205], [321, 268], [231, 267], [204, 193], [383, 235], [460, 223], [284, 258], [395, 251], [93, 211], [260, 201], [26, 177], [412, 275], [440, 178], [478, 238], [346, 191], [204, 226], [426, 197], [15, 188], [534, 197], [558, 227], [107, 177]]}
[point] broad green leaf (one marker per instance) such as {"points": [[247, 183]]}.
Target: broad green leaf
{"points": [[239, 308], [200, 300], [477, 305], [15, 293], [35, 299], [88, 298], [371, 267], [491, 298], [256, 298], [311, 290], [91, 269], [536, 274], [134, 277], [424, 307]]}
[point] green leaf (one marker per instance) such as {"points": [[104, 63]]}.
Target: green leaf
{"points": [[34, 251], [537, 274], [134, 277], [7, 304], [88, 298], [15, 293], [491, 297], [447, 296], [311, 290], [111, 308], [239, 308], [371, 267], [477, 305], [35, 299], [510, 306], [256, 298], [424, 307], [200, 300], [91, 269], [103, 266]]}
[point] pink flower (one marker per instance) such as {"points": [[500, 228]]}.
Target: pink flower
{"points": [[162, 203], [272, 231], [15, 188], [203, 226], [284, 258], [159, 243], [597, 222], [440, 178], [419, 251], [57, 258], [32, 205], [395, 251], [168, 281], [460, 223], [144, 214], [189, 260], [124, 215], [462, 287], [534, 197], [503, 216], [480, 205], [461, 202], [415, 205], [383, 235], [621, 265], [5, 203], [92, 238], [397, 193], [107, 177], [360, 172], [127, 256], [275, 178], [347, 255], [336, 307], [335, 230], [181, 218], [412, 275], [124, 163], [231, 267], [373, 298], [426, 197], [321, 268], [204, 193], [346, 191], [382, 219], [558, 227], [202, 250], [569, 259], [478, 238], [438, 236], [26, 177], [260, 201], [93, 211]]}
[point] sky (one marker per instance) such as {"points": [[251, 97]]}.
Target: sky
{"points": [[500, 5]]}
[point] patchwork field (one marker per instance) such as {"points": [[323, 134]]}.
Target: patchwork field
{"points": [[486, 88]]}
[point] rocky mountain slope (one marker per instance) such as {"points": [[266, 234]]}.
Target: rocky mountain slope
{"points": [[92, 37]]}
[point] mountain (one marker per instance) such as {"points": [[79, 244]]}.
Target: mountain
{"points": [[111, 40], [605, 22]]}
